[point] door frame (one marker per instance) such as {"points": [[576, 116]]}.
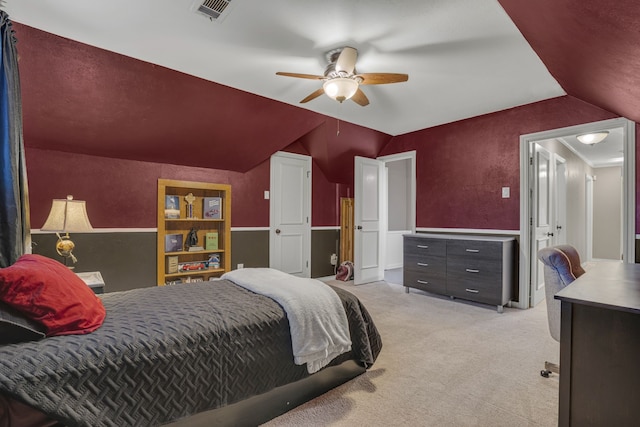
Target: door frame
{"points": [[411, 156], [561, 199], [588, 232], [306, 206], [629, 173]]}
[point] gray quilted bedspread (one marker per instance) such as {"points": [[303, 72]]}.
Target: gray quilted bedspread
{"points": [[164, 353]]}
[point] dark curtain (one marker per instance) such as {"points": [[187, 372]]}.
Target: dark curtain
{"points": [[15, 233]]}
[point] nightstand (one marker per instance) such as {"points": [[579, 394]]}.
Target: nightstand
{"points": [[94, 280]]}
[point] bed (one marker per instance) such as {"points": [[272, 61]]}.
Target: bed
{"points": [[210, 353]]}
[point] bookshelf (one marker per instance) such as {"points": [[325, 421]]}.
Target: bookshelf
{"points": [[194, 231]]}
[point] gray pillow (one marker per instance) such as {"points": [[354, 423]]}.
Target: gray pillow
{"points": [[15, 328]]}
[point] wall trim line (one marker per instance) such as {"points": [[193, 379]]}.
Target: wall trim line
{"points": [[468, 231], [103, 230], [250, 228], [155, 230]]}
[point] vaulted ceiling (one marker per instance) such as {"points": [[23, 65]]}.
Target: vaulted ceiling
{"points": [[154, 81]]}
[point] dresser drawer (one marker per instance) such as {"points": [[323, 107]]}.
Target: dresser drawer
{"points": [[481, 289], [425, 261], [430, 282], [475, 266], [424, 246], [474, 249], [475, 279]]}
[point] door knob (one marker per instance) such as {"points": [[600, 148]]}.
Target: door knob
{"points": [[277, 231], [359, 227], [550, 234]]}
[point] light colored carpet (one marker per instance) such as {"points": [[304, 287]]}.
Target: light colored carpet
{"points": [[443, 363]]}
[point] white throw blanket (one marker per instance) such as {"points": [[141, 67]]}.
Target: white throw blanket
{"points": [[318, 322]]}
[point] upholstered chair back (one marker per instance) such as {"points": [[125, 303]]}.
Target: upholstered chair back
{"points": [[561, 267]]}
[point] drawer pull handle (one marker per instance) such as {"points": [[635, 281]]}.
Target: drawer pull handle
{"points": [[470, 270], [473, 291], [424, 282], [423, 246], [473, 250], [422, 264]]}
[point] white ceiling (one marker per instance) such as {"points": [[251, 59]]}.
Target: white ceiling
{"points": [[464, 57]]}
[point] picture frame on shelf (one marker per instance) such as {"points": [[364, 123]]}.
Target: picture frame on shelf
{"points": [[212, 207], [172, 207], [173, 243]]}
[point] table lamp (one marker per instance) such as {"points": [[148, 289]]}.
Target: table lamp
{"points": [[67, 215]]}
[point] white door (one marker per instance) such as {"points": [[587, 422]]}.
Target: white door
{"points": [[290, 214], [541, 216], [368, 219]]}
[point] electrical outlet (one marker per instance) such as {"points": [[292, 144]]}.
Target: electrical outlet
{"points": [[334, 259], [240, 266]]}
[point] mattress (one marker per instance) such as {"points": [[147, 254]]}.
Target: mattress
{"points": [[165, 353]]}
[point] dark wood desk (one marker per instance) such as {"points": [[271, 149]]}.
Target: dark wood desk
{"points": [[600, 347]]}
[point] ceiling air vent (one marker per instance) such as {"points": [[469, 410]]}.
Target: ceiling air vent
{"points": [[215, 10]]}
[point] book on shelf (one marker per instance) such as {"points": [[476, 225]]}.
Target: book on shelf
{"points": [[195, 248], [172, 207], [172, 264], [212, 208], [211, 241], [173, 243]]}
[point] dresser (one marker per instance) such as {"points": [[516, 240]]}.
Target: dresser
{"points": [[475, 268]]}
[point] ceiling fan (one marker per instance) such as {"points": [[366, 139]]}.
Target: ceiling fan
{"points": [[341, 80]]}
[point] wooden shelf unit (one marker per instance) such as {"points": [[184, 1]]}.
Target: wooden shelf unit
{"points": [[183, 224]]}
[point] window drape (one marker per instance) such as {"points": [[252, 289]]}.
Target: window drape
{"points": [[15, 233]]}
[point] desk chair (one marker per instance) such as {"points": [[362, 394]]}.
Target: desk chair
{"points": [[561, 267]]}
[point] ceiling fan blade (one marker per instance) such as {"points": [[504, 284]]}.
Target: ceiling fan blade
{"points": [[347, 60], [314, 95], [360, 98], [300, 76], [382, 78]]}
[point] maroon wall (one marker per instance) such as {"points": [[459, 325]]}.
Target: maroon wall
{"points": [[122, 193], [461, 167]]}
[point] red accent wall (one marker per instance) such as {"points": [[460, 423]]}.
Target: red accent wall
{"points": [[461, 167], [122, 193]]}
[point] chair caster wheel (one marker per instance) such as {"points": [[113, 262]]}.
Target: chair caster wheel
{"points": [[545, 373]]}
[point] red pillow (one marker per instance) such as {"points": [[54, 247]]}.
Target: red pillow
{"points": [[47, 292]]}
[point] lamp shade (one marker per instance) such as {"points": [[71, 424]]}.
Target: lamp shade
{"points": [[340, 88], [67, 215], [593, 138]]}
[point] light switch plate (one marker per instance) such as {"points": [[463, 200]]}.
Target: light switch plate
{"points": [[506, 192], [266, 194]]}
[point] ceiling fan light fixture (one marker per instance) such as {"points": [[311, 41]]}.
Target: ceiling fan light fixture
{"points": [[593, 137], [340, 88]]}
